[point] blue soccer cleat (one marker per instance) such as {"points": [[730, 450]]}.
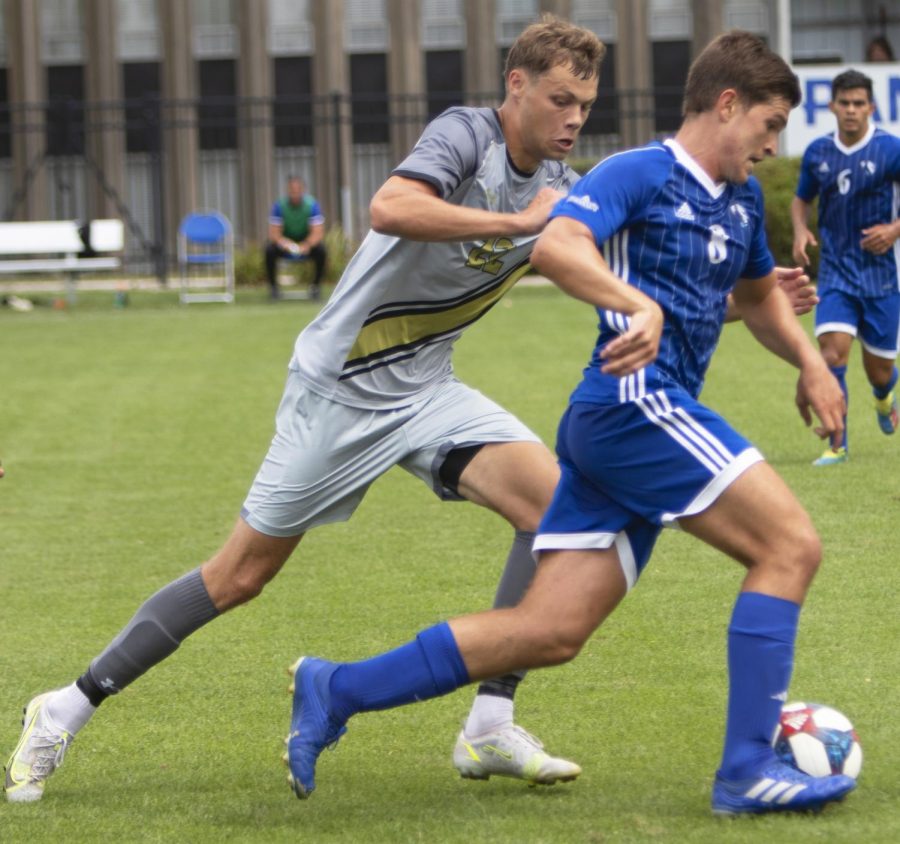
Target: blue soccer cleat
{"points": [[886, 413], [313, 727], [779, 788]]}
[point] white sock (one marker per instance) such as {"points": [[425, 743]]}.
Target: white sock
{"points": [[489, 714], [70, 709]]}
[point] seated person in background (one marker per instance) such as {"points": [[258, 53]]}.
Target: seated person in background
{"points": [[296, 229]]}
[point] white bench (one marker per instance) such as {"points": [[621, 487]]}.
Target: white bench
{"points": [[61, 246]]}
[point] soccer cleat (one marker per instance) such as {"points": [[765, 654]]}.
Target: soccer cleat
{"points": [[779, 788], [511, 752], [832, 456], [38, 754], [313, 727], [886, 412]]}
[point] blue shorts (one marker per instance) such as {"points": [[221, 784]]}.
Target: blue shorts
{"points": [[876, 320], [630, 469]]}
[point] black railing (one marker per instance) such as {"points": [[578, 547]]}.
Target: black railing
{"points": [[63, 139]]}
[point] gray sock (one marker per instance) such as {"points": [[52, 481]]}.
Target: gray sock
{"points": [[156, 630], [516, 578]]}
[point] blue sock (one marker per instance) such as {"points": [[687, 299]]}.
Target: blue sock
{"points": [[840, 372], [882, 392], [760, 658], [429, 666]]}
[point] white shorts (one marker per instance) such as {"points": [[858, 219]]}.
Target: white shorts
{"points": [[325, 454]]}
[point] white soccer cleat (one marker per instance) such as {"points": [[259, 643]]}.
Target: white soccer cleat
{"points": [[38, 754], [511, 752]]}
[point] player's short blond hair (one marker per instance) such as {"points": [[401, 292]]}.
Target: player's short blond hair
{"points": [[553, 41]]}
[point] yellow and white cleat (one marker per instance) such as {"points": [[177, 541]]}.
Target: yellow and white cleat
{"points": [[832, 457], [511, 752], [38, 754]]}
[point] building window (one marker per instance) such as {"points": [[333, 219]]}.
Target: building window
{"points": [[671, 60], [290, 29], [443, 25], [62, 39], [217, 108], [443, 80], [141, 89], [65, 110], [214, 29], [512, 17], [5, 134], [137, 22], [368, 100], [604, 116], [366, 26], [292, 108]]}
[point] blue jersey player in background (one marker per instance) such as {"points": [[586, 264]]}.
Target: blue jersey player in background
{"points": [[655, 238], [855, 173]]}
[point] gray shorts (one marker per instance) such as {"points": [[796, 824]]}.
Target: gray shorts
{"points": [[325, 454]]}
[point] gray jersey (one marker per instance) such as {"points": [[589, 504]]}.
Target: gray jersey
{"points": [[387, 332]]}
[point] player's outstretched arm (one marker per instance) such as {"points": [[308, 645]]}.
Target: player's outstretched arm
{"points": [[412, 209], [768, 314], [803, 237], [567, 255], [797, 286], [880, 238]]}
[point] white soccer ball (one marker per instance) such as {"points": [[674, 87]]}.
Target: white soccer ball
{"points": [[817, 740]]}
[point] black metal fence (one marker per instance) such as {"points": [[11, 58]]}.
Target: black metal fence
{"points": [[61, 149]]}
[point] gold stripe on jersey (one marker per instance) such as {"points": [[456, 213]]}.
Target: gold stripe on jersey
{"points": [[381, 341]]}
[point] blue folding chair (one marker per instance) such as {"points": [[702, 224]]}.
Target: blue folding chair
{"points": [[206, 257]]}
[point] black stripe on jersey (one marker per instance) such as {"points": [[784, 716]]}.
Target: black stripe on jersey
{"points": [[404, 352], [399, 335], [393, 309]]}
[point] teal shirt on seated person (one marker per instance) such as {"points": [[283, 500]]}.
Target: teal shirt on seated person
{"points": [[295, 220]]}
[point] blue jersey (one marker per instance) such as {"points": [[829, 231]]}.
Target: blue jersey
{"points": [[667, 229], [857, 187]]}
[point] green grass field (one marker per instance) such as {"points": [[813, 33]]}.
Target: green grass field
{"points": [[130, 437]]}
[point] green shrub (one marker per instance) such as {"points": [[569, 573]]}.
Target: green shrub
{"points": [[581, 165], [249, 266], [778, 177], [340, 250]]}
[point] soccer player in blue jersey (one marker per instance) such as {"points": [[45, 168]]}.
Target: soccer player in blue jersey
{"points": [[855, 173], [655, 238]]}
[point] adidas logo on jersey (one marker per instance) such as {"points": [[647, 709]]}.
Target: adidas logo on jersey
{"points": [[584, 202], [685, 212], [737, 208], [823, 167]]}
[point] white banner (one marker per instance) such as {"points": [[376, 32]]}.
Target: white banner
{"points": [[812, 118]]}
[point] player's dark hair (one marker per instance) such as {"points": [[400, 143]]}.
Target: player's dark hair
{"points": [[742, 61], [879, 50], [848, 80], [553, 41]]}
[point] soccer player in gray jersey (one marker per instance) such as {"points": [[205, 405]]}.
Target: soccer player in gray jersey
{"points": [[371, 386]]}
